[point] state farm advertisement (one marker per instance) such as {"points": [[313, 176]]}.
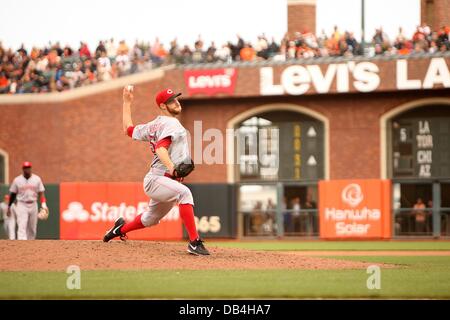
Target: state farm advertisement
{"points": [[355, 209], [88, 210], [210, 81]]}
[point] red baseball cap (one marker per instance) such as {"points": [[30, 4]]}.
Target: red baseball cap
{"points": [[166, 96], [26, 164]]}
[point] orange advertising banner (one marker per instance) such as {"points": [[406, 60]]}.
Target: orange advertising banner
{"points": [[355, 209], [88, 210]]}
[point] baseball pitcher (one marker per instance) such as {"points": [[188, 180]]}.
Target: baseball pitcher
{"points": [[9, 222], [26, 188], [171, 163]]}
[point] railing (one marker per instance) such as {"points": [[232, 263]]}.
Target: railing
{"points": [[313, 60], [413, 222], [303, 223], [445, 222]]}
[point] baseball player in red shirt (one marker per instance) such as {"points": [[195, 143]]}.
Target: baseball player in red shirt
{"points": [[171, 162]]}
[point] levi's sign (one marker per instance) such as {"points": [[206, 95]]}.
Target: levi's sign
{"points": [[355, 76], [210, 81]]}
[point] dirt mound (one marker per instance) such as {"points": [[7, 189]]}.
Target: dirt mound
{"points": [[57, 255]]}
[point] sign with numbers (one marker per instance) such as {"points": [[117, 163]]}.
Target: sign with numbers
{"points": [[421, 147]]}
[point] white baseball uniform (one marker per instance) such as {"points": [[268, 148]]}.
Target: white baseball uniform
{"points": [[164, 192], [26, 207], [9, 223]]}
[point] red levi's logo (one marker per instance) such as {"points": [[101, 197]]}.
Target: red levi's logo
{"points": [[210, 82]]}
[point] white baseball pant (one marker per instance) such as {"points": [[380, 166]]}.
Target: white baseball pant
{"points": [[10, 224], [26, 216], [164, 193]]}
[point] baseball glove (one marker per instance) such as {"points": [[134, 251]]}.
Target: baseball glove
{"points": [[184, 168], [43, 214]]}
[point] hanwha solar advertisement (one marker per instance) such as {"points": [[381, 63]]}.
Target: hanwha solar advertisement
{"points": [[355, 209]]}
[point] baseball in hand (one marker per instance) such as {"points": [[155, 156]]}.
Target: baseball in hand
{"points": [[130, 88]]}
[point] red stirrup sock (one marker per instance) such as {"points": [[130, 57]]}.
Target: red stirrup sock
{"points": [[132, 225], [187, 215]]}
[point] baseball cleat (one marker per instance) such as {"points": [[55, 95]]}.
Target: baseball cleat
{"points": [[115, 231], [196, 247]]}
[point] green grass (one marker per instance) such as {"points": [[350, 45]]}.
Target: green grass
{"points": [[418, 277], [334, 245]]}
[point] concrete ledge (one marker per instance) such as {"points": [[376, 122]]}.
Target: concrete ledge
{"points": [[81, 92]]}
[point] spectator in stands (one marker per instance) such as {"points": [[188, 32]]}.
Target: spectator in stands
{"points": [[421, 43], [420, 215], [261, 47], [443, 37], [433, 47], [175, 52], [247, 53], [291, 50], [100, 48], [311, 220], [257, 219], [198, 56], [416, 34], [84, 51], [352, 43], [56, 68], [210, 53], [310, 39], [426, 30], [104, 68], [296, 207], [111, 49], [4, 83], [223, 54], [186, 54], [336, 35], [236, 49], [272, 49]]}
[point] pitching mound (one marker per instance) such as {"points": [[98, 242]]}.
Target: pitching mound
{"points": [[57, 255]]}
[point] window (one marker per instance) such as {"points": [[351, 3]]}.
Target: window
{"points": [[420, 143], [258, 205], [413, 209], [280, 146], [300, 214], [445, 209]]}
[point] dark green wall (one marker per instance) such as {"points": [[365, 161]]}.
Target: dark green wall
{"points": [[48, 229]]}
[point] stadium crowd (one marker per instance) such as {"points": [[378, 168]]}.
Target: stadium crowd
{"points": [[57, 68]]}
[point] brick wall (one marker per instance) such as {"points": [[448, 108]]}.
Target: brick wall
{"points": [[82, 139], [435, 12], [301, 16]]}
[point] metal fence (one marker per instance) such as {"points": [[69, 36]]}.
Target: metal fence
{"points": [[303, 223], [413, 222]]}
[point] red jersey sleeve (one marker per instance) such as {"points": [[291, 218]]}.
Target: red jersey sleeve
{"points": [[130, 130]]}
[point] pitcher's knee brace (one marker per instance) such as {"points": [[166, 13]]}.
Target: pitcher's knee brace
{"points": [[185, 196]]}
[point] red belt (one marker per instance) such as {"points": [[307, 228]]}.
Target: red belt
{"points": [[172, 177]]}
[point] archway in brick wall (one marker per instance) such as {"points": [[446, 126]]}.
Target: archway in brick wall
{"points": [[385, 123], [272, 184], [4, 167], [415, 155]]}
